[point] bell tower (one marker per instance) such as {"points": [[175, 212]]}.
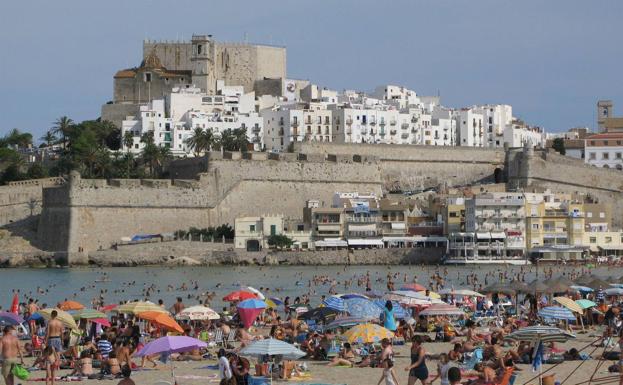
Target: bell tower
{"points": [[604, 111], [203, 63]]}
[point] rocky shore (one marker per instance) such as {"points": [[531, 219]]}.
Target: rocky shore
{"points": [[184, 253]]}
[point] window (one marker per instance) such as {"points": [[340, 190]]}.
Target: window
{"points": [[589, 215], [591, 155], [593, 240], [252, 228], [608, 239], [273, 229], [148, 77], [605, 155], [618, 155], [602, 215], [535, 226]]}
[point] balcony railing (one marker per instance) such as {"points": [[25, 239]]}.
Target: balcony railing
{"points": [[348, 121], [405, 126], [295, 123], [256, 129], [361, 219], [392, 122]]}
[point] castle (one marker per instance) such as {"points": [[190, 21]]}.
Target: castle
{"points": [[199, 62]]}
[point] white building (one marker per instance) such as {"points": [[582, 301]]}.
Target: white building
{"points": [[173, 119], [287, 124], [471, 132], [604, 150]]}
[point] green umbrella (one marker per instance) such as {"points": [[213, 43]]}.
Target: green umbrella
{"points": [[585, 303], [88, 314]]}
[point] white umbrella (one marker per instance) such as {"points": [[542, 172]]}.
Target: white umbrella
{"points": [[442, 309], [198, 312], [460, 292], [256, 292]]}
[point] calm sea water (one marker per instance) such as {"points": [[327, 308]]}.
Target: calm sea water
{"points": [[82, 284]]}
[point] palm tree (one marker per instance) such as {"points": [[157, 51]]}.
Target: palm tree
{"points": [[63, 126], [17, 138], [128, 140], [200, 141], [48, 138]]}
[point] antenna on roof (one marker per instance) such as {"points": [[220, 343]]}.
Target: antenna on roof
{"points": [[246, 38]]}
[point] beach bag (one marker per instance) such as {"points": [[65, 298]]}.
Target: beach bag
{"points": [[20, 372]]}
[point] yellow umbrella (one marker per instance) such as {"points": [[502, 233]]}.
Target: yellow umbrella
{"points": [[569, 304], [431, 294], [140, 307], [65, 318], [367, 333]]}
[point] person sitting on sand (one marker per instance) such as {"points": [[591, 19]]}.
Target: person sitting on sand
{"points": [[112, 364], [486, 374], [456, 354], [346, 357], [126, 371], [84, 366]]}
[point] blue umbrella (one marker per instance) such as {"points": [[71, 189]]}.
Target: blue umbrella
{"points": [[614, 291], [358, 307], [335, 303], [346, 322], [581, 289], [352, 295], [252, 304], [557, 312], [34, 317], [399, 311]]}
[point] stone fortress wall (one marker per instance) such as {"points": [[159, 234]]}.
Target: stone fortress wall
{"points": [[85, 215], [22, 199]]}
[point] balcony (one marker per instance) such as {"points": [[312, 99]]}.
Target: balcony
{"points": [[256, 129], [256, 139], [414, 120], [361, 219], [413, 130], [382, 132], [281, 132], [364, 122], [392, 122], [404, 126], [404, 135], [392, 132], [349, 121], [382, 123], [295, 124], [373, 122]]}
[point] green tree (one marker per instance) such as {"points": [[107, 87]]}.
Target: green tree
{"points": [[559, 145], [224, 231], [234, 140], [17, 138], [36, 171], [48, 138], [128, 140], [201, 141], [63, 127], [280, 241]]}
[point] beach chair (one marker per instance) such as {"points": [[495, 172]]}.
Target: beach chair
{"points": [[476, 357], [218, 337], [231, 338]]}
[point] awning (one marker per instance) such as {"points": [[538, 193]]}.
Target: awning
{"points": [[365, 242], [483, 235], [498, 235], [613, 247], [331, 243], [367, 227], [398, 226]]}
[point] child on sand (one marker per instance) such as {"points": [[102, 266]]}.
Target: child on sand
{"points": [[51, 364], [388, 373]]}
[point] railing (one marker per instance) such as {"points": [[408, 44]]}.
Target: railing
{"points": [[256, 129], [362, 219], [348, 121], [392, 122], [295, 123], [404, 126]]}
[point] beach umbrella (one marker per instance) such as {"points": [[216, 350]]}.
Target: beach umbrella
{"points": [[347, 321], [399, 311], [320, 314], [374, 294], [65, 318], [442, 309], [431, 294], [410, 298], [569, 304], [540, 333], [612, 279], [256, 292], [8, 318], [520, 287], [107, 308], [614, 291], [34, 317], [557, 312], [239, 295], [581, 289], [249, 310], [413, 287], [139, 307], [161, 319], [598, 283], [102, 321], [564, 280], [499, 287], [585, 279], [70, 305], [272, 347], [88, 314], [15, 304], [538, 287], [367, 333], [585, 303], [353, 295], [198, 312], [335, 302], [171, 344], [358, 307], [274, 302], [460, 292]]}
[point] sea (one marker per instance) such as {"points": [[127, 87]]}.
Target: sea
{"points": [[115, 284]]}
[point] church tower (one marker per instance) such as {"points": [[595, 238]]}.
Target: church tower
{"points": [[202, 59], [604, 111]]}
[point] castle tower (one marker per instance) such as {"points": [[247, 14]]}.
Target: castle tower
{"points": [[604, 111], [202, 59]]}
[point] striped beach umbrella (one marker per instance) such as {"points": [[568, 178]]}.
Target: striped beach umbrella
{"points": [[336, 303], [88, 314], [367, 333], [346, 322], [556, 312], [65, 318], [139, 307], [613, 291], [274, 302], [272, 347], [585, 303], [581, 289], [399, 311], [569, 304], [352, 295], [540, 333], [442, 309]]}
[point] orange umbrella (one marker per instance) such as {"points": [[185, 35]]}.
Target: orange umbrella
{"points": [[71, 305], [161, 319]]}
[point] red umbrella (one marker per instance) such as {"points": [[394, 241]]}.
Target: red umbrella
{"points": [[108, 308], [101, 321], [413, 287], [15, 304], [239, 295]]}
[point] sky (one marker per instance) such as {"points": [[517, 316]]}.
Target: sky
{"points": [[551, 60]]}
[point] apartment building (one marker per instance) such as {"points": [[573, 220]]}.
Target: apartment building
{"points": [[604, 150], [253, 233]]}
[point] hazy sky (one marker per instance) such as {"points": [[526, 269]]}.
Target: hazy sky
{"points": [[550, 59]]}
